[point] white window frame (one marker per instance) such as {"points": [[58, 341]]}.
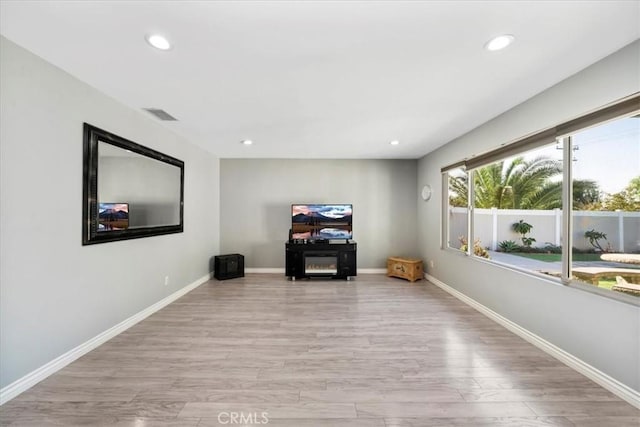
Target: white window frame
{"points": [[626, 107]]}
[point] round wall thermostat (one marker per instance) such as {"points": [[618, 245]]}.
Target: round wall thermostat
{"points": [[426, 192]]}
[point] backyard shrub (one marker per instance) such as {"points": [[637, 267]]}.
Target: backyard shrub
{"points": [[508, 246], [478, 250], [593, 237], [550, 248], [524, 228]]}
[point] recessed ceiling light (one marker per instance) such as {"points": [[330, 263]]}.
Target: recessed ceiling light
{"points": [[394, 142], [246, 142], [499, 42], [158, 41]]}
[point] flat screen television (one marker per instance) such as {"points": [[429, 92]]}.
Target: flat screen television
{"points": [[321, 221], [113, 216]]}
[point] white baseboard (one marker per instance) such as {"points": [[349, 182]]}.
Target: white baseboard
{"points": [[372, 270], [281, 270], [23, 384], [614, 386], [265, 270]]}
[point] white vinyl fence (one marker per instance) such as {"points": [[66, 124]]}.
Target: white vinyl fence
{"points": [[493, 226]]}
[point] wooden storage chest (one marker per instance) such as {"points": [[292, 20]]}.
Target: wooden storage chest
{"points": [[405, 268]]}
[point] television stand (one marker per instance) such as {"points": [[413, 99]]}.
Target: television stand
{"points": [[327, 259]]}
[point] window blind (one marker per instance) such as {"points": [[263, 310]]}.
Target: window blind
{"points": [[623, 107]]}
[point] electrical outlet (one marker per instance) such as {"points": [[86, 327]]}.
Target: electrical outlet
{"points": [[166, 280], [432, 264]]}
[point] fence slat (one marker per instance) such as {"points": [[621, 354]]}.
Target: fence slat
{"points": [[494, 225]]}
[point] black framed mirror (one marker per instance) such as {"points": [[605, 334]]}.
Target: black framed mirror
{"points": [[129, 191]]}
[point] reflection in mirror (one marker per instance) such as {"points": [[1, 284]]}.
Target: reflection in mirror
{"points": [[130, 191], [135, 191]]}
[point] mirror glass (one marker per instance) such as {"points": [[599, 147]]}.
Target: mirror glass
{"points": [[131, 191], [149, 187]]}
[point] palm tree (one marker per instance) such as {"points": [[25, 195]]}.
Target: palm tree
{"points": [[519, 184]]}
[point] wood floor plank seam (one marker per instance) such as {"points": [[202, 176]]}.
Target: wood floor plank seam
{"points": [[371, 352]]}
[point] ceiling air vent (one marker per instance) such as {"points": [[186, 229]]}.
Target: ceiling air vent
{"points": [[161, 114]]}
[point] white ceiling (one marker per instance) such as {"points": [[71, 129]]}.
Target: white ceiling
{"points": [[322, 79]]}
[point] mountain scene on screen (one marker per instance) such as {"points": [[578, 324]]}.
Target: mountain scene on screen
{"points": [[326, 214], [321, 221], [334, 233], [113, 214]]}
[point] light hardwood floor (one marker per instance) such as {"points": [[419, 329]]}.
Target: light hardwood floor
{"points": [[376, 351]]}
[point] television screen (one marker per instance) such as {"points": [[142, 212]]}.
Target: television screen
{"points": [[321, 222], [113, 216]]}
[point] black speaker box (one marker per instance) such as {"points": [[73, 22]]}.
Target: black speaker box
{"points": [[228, 266]]}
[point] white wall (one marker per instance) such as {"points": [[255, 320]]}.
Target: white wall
{"points": [[256, 197], [601, 331], [55, 293]]}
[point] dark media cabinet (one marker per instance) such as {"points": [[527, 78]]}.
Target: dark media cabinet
{"points": [[321, 259], [228, 266]]}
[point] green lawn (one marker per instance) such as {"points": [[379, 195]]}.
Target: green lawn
{"points": [[603, 283], [557, 257], [606, 283]]}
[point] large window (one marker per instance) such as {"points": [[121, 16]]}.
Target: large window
{"points": [[517, 210], [606, 208], [457, 213], [563, 203]]}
